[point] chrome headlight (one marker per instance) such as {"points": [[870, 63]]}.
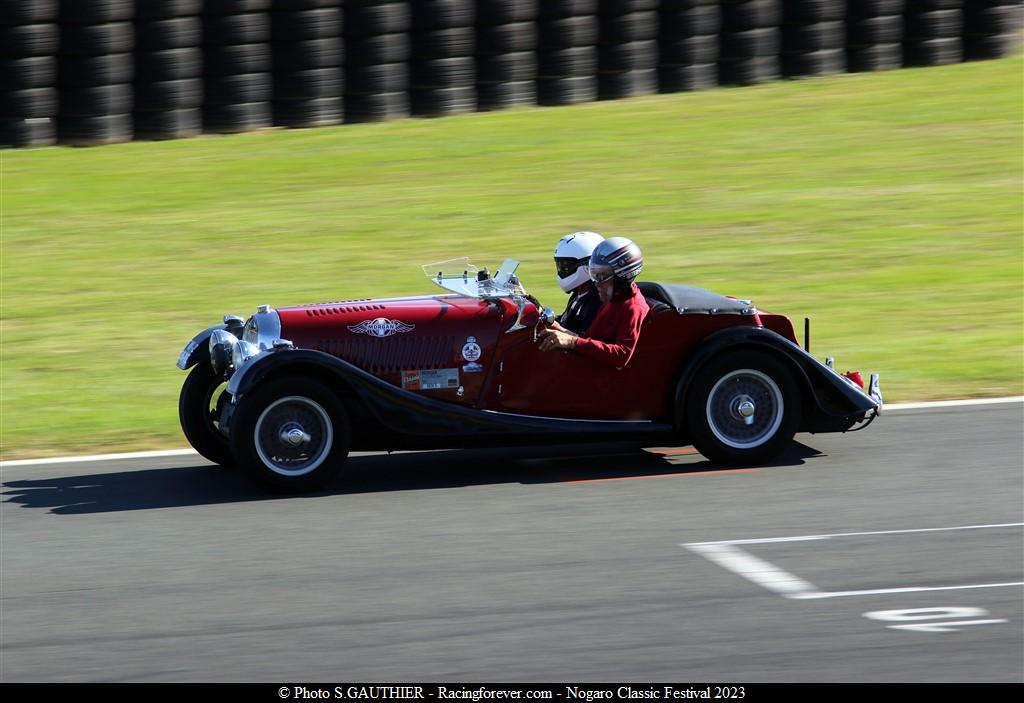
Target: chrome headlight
{"points": [[242, 352], [222, 345], [262, 328]]}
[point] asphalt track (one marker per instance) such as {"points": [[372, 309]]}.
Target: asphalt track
{"points": [[598, 563]]}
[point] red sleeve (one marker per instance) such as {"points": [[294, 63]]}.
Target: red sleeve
{"points": [[618, 352]]}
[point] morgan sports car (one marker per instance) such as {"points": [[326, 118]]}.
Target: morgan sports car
{"points": [[287, 393]]}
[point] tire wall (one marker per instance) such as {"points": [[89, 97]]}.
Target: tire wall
{"points": [[91, 72]]}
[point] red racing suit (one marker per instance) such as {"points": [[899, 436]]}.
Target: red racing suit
{"points": [[613, 334]]}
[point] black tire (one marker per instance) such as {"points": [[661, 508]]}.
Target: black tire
{"points": [[29, 103], [95, 11], [933, 52], [241, 58], [240, 88], [566, 8], [235, 118], [506, 38], [197, 412], [879, 57], [576, 61], [303, 25], [875, 30], [374, 107], [443, 73], [935, 24], [180, 94], [305, 55], [164, 9], [989, 46], [716, 405], [491, 12], [997, 19], [689, 51], [874, 8], [312, 112], [507, 68], [308, 85], [698, 21], [632, 27], [116, 99], [568, 32], [440, 102], [749, 71], [627, 84], [27, 11], [566, 91], [223, 30], [97, 39], [172, 33], [813, 37], [368, 19], [385, 78], [234, 7], [675, 79], [630, 56], [813, 11], [88, 71], [498, 96], [168, 65], [444, 43], [766, 41], [29, 40], [443, 14], [28, 72], [17, 132], [270, 418], [373, 51], [814, 63], [751, 14], [169, 124], [94, 130]]}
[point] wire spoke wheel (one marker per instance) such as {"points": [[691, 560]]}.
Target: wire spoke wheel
{"points": [[293, 436], [745, 408]]}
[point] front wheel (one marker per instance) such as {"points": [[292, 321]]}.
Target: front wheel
{"points": [[743, 408], [290, 435], [199, 407]]}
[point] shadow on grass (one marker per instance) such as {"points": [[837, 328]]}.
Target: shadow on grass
{"points": [[144, 489]]}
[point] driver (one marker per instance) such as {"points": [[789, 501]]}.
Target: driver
{"points": [[572, 254], [612, 336]]}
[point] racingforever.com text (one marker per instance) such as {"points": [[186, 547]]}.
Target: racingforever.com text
{"points": [[488, 693]]}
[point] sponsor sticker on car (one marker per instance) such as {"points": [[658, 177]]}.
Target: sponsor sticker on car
{"points": [[430, 379]]}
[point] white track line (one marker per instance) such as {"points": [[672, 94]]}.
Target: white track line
{"points": [[190, 452]]}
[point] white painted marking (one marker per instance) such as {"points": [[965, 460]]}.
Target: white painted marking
{"points": [[807, 538], [933, 614], [951, 403], [909, 589], [757, 570], [98, 457], [186, 452]]}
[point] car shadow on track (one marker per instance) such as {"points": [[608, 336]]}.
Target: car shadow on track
{"points": [[151, 488]]}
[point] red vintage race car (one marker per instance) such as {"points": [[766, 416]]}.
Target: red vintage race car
{"points": [[286, 394]]}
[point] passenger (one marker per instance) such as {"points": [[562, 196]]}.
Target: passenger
{"points": [[612, 336], [572, 255]]}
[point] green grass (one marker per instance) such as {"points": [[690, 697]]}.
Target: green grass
{"points": [[887, 207]]}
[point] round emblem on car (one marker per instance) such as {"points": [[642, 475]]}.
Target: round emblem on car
{"points": [[471, 350]]}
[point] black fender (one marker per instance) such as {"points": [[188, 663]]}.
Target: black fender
{"points": [[197, 349], [837, 403], [400, 415]]}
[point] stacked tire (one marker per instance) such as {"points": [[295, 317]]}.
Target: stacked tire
{"points": [[933, 32], [567, 34], [308, 56], [750, 41], [443, 71], [688, 44], [28, 72], [874, 34], [627, 50], [95, 71], [506, 59], [168, 69], [991, 28], [813, 37], [236, 65], [377, 50]]}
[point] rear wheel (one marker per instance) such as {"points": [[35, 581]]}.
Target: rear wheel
{"points": [[290, 435], [199, 406], [743, 408]]}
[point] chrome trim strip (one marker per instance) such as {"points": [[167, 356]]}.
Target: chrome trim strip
{"points": [[569, 419]]}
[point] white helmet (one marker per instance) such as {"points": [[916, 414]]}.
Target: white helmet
{"points": [[572, 254]]}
